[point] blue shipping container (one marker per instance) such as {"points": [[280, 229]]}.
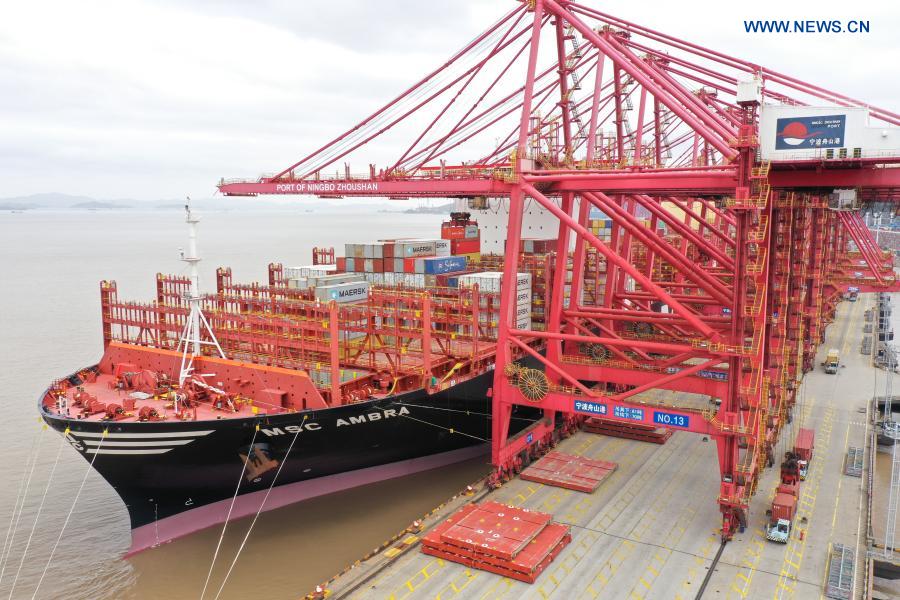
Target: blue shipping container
{"points": [[444, 264]]}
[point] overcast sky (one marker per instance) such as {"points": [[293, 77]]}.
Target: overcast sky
{"points": [[151, 100]]}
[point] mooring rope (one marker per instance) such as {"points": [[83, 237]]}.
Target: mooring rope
{"points": [[71, 510], [62, 442], [20, 507], [450, 429], [261, 506], [228, 517]]}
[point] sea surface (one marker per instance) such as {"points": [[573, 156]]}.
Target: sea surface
{"points": [[51, 263]]}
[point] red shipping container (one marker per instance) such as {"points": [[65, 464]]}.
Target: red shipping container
{"points": [[341, 263], [466, 246], [803, 447], [388, 251], [409, 265], [452, 232]]}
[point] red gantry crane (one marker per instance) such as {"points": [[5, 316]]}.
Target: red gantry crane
{"points": [[753, 181]]}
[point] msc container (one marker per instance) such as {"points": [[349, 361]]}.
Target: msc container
{"points": [[343, 292], [438, 265]]}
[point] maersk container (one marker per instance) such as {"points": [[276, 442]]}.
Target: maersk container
{"points": [[490, 281], [414, 249], [344, 292], [441, 246]]}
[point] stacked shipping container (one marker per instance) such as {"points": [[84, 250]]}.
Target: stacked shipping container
{"points": [[492, 282]]}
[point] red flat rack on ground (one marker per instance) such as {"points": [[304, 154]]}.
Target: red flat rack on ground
{"points": [[494, 537], [569, 471], [496, 529], [642, 433]]}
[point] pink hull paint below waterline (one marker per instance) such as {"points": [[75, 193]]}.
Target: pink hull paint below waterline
{"points": [[191, 521]]}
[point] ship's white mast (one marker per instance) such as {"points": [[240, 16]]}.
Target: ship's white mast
{"points": [[191, 342]]}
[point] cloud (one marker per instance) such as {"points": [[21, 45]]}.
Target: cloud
{"points": [[160, 99]]}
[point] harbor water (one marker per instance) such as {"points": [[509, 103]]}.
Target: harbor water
{"points": [[51, 263]]}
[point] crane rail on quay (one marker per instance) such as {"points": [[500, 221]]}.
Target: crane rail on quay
{"points": [[754, 182]]}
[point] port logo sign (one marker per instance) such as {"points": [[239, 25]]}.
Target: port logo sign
{"points": [[810, 132]]}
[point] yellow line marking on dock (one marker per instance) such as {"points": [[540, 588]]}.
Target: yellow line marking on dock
{"points": [[787, 580], [837, 496]]}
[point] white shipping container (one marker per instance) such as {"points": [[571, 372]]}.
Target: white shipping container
{"points": [[326, 280], [490, 281], [344, 292], [414, 249], [355, 250], [308, 270], [374, 250], [416, 280], [441, 246]]}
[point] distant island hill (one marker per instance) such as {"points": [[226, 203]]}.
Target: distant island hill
{"points": [[58, 201]]}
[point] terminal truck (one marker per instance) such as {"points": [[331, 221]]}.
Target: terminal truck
{"points": [[803, 450], [781, 515], [784, 505], [832, 361]]}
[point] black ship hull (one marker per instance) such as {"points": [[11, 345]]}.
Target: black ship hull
{"points": [[179, 477]]}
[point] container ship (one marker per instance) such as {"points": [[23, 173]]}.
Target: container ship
{"points": [[355, 369]]}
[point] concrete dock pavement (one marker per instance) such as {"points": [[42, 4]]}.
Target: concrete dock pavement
{"points": [[828, 511], [652, 528]]}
